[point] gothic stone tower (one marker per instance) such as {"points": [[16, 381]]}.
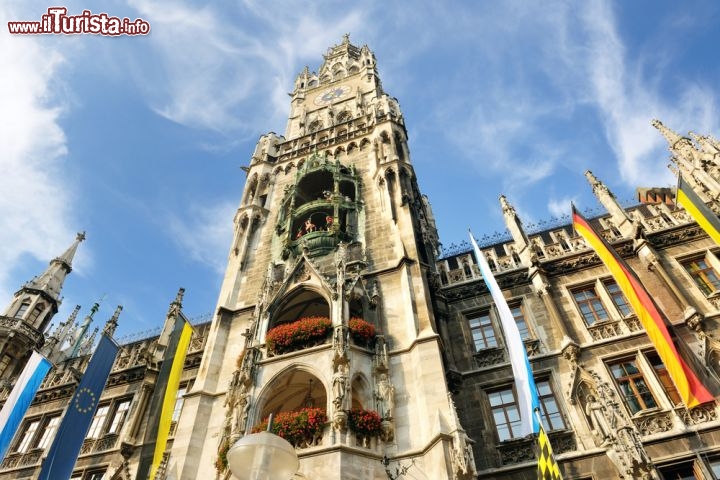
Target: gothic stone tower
{"points": [[331, 228], [23, 322]]}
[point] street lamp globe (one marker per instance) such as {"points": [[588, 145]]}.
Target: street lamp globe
{"points": [[262, 455]]}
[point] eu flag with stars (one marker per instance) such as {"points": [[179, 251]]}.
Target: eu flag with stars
{"points": [[65, 449]]}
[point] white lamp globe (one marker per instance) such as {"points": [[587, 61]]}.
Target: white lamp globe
{"points": [[262, 455]]}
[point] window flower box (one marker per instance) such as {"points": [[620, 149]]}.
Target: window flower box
{"points": [[302, 428], [362, 332], [303, 333]]}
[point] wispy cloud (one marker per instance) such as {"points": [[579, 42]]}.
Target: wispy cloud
{"points": [[211, 72], [559, 207], [205, 233], [36, 215], [628, 99]]}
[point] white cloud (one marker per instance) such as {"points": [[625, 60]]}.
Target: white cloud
{"points": [[559, 207], [36, 203], [205, 234], [628, 100], [211, 72]]}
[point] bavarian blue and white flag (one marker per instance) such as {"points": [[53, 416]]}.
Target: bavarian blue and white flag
{"points": [[20, 397], [528, 402], [65, 449]]}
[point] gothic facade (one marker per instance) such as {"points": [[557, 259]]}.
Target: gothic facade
{"points": [[338, 303]]}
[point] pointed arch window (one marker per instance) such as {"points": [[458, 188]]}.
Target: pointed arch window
{"points": [[37, 311], [23, 308]]}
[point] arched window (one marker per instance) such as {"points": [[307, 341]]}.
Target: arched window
{"points": [[23, 308], [344, 116], [36, 312], [315, 126]]}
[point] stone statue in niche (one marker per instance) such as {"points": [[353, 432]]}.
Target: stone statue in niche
{"points": [[385, 396], [340, 386], [595, 413]]}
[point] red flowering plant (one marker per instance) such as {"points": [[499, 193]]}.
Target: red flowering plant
{"points": [[221, 462], [298, 334], [301, 428], [361, 331], [365, 422]]}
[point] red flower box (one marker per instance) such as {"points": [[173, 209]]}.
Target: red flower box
{"points": [[365, 422], [301, 427], [361, 331], [291, 336]]}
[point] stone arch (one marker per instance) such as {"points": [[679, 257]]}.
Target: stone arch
{"points": [[364, 143], [351, 147], [338, 151], [353, 69], [361, 392], [344, 116], [338, 71], [303, 301], [278, 170], [315, 125], [297, 386]]}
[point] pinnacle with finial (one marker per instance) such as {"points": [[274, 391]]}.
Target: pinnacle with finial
{"points": [[669, 135], [176, 305], [69, 254], [596, 184], [506, 207], [112, 323]]}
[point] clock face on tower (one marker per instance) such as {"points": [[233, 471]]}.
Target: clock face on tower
{"points": [[331, 94]]}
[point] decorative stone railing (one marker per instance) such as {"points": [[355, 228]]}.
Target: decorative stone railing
{"points": [[650, 424], [606, 329], [562, 441], [18, 460], [95, 445], [516, 451], [19, 326], [614, 328], [523, 450], [706, 412], [489, 357]]}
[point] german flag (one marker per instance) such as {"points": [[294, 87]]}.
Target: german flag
{"points": [[547, 467], [697, 209], [690, 388], [162, 402]]}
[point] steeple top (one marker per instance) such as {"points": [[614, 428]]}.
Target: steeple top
{"points": [[671, 137], [52, 279], [69, 254]]}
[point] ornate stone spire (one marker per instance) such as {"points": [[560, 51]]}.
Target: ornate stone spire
{"points": [[598, 187], [514, 225], [82, 332], [707, 143], [619, 217], [87, 343], [671, 137], [112, 323], [52, 279], [176, 304]]}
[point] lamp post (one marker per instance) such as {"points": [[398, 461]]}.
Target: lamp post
{"points": [[261, 456]]}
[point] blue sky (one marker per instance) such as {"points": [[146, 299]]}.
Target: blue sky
{"points": [[139, 140]]}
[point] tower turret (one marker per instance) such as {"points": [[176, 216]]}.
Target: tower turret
{"points": [[23, 322]]}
